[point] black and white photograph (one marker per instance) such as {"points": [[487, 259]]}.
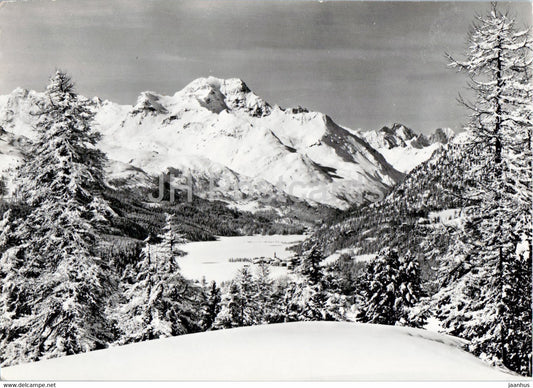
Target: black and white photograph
{"points": [[265, 190]]}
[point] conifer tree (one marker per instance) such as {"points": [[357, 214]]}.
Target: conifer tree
{"points": [[518, 346], [12, 301], [317, 299], [483, 268], [263, 294], [212, 305], [310, 266], [248, 296], [285, 306], [248, 300], [63, 162], [160, 302], [389, 288], [63, 282], [232, 309]]}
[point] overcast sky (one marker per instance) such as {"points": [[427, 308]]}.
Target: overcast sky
{"points": [[366, 64]]}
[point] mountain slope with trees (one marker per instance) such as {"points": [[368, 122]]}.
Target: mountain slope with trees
{"points": [[476, 265]]}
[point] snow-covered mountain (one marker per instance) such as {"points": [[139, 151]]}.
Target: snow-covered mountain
{"points": [[403, 148], [233, 144], [288, 351], [10, 149]]}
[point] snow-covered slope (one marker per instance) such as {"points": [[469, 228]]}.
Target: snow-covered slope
{"points": [[10, 150], [403, 148], [289, 351], [11, 147], [229, 138], [213, 123]]}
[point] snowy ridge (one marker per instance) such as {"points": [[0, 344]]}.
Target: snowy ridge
{"points": [[403, 148], [220, 130], [289, 351], [213, 121]]}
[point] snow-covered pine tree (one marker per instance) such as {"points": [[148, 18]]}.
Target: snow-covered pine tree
{"points": [[518, 310], [160, 302], [62, 281], [170, 240], [263, 294], [213, 298], [388, 289], [5, 231], [481, 271], [63, 160], [3, 185], [285, 301], [309, 267], [411, 292], [241, 304], [12, 302], [232, 308], [250, 303], [317, 300]]}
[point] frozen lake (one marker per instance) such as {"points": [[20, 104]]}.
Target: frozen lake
{"points": [[210, 259]]}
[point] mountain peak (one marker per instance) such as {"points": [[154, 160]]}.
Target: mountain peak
{"points": [[217, 94], [403, 132], [403, 148], [221, 84], [149, 102], [397, 135], [442, 135]]}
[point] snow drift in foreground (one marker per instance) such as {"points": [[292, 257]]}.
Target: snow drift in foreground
{"points": [[289, 351]]}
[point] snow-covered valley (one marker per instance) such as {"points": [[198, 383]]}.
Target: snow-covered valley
{"points": [[211, 259]]}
